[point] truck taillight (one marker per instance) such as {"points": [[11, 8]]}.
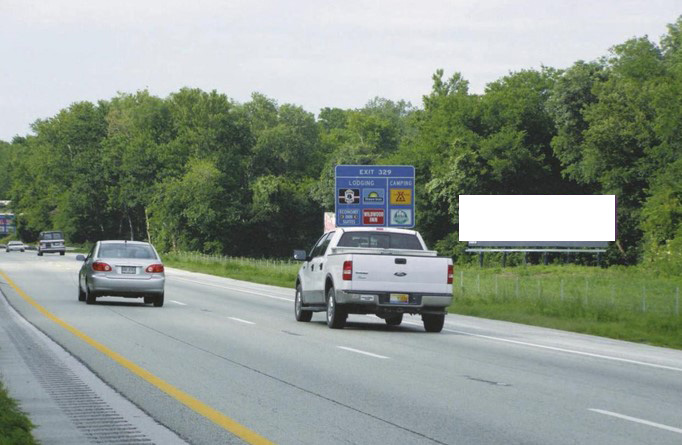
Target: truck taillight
{"points": [[347, 270], [450, 272], [99, 266]]}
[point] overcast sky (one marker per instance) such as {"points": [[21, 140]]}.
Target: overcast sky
{"points": [[313, 53]]}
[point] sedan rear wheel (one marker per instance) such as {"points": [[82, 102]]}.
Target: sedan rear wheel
{"points": [[90, 297], [158, 301]]}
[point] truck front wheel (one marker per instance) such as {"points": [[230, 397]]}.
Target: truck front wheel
{"points": [[299, 313], [433, 322], [336, 315]]}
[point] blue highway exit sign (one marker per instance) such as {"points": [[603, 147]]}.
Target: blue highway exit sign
{"points": [[374, 195]]}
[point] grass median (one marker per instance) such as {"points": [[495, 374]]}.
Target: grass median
{"points": [[15, 426], [627, 303]]}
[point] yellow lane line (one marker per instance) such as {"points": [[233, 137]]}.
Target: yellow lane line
{"points": [[192, 403]]}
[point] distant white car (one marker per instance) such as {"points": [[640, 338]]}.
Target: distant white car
{"points": [[15, 245]]}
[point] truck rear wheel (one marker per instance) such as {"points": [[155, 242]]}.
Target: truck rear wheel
{"points": [[336, 315], [433, 322], [394, 320], [299, 313]]}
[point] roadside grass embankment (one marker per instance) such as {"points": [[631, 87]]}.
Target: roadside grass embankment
{"points": [[15, 426], [274, 272], [626, 303]]}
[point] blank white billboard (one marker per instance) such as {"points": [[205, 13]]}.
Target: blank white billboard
{"points": [[537, 217]]}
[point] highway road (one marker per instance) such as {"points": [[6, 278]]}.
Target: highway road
{"points": [[224, 362]]}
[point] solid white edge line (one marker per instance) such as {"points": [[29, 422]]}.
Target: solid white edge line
{"points": [[235, 289], [636, 420], [177, 302], [569, 351], [240, 320], [363, 352]]}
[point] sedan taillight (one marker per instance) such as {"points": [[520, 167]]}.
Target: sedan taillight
{"points": [[99, 266], [154, 268]]}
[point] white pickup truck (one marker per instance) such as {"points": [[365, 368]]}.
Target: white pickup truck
{"points": [[387, 272]]}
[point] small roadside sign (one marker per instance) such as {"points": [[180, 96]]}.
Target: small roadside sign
{"points": [[329, 222], [374, 195]]}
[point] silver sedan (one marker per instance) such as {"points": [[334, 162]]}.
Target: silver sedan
{"points": [[122, 269]]}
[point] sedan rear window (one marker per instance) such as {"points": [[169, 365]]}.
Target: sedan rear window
{"points": [[123, 250], [385, 240]]}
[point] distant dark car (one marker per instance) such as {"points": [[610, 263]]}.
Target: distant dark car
{"points": [[122, 269], [51, 242], [15, 246]]}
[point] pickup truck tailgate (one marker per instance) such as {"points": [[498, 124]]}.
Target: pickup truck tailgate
{"points": [[409, 274]]}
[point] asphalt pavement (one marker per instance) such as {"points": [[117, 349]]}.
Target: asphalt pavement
{"points": [[224, 362]]}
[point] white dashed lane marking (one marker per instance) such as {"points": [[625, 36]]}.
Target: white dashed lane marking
{"points": [[240, 320], [636, 420], [362, 352]]}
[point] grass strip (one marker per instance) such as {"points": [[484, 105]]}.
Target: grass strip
{"points": [[273, 272], [15, 426], [626, 303]]}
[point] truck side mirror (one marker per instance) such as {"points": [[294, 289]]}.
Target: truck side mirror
{"points": [[300, 255]]}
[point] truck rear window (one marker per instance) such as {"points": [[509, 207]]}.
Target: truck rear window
{"points": [[51, 235], [386, 240]]}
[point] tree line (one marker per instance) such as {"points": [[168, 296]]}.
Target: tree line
{"points": [[199, 171]]}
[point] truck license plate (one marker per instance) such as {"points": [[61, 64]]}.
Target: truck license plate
{"points": [[399, 298], [128, 269]]}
